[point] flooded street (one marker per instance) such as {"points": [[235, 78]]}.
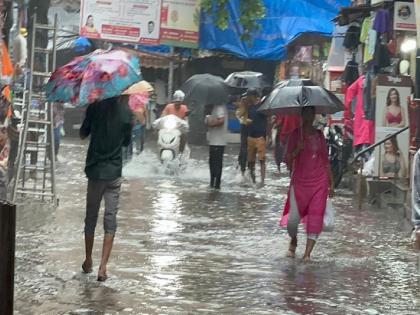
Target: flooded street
{"points": [[182, 248]]}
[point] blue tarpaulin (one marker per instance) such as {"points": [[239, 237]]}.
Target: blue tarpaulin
{"points": [[284, 21]]}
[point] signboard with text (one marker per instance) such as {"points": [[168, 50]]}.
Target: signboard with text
{"points": [[130, 21], [180, 23]]}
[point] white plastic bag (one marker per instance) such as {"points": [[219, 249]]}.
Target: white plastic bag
{"points": [[329, 217], [369, 167]]}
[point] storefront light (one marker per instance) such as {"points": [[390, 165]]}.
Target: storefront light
{"points": [[408, 45]]}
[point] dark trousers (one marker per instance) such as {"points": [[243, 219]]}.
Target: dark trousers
{"points": [[57, 139], [138, 138], [279, 153], [216, 164], [14, 147], [243, 152]]}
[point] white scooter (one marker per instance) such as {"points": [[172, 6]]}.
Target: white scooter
{"points": [[170, 129]]}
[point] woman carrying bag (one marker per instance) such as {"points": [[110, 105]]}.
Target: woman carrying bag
{"points": [[311, 183], [307, 159]]}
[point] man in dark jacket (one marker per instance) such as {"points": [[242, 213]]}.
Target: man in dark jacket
{"points": [[109, 125]]}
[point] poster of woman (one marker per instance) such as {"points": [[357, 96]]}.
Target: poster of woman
{"points": [[394, 114], [89, 28], [127, 21], [393, 162], [391, 106], [392, 94]]}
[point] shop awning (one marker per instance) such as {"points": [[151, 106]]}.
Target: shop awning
{"points": [[155, 61], [284, 21]]}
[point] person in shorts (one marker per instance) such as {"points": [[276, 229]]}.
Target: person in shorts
{"points": [[257, 134], [109, 124]]}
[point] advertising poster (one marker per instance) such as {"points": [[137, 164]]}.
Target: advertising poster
{"points": [[391, 158], [303, 53], [130, 21], [180, 23], [404, 16]]}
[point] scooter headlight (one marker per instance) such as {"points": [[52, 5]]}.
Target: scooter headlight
{"points": [[169, 124]]}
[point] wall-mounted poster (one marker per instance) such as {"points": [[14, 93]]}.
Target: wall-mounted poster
{"points": [[392, 93], [130, 21], [303, 53], [392, 157], [180, 23], [404, 16]]}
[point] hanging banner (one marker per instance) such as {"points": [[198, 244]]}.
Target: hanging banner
{"points": [[392, 94], [130, 21], [180, 23], [404, 16]]}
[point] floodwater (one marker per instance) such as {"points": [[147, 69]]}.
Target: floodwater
{"points": [[182, 248]]}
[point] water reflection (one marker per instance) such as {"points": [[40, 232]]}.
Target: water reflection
{"points": [[166, 222], [166, 212], [183, 249]]}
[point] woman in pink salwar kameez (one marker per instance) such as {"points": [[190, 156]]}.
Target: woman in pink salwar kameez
{"points": [[311, 183]]}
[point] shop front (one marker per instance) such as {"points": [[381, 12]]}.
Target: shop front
{"points": [[372, 64]]}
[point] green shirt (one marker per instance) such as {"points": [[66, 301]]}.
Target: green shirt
{"points": [[109, 125]]}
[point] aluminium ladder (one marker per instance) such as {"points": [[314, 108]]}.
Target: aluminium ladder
{"points": [[35, 175]]}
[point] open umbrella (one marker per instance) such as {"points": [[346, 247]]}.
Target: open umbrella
{"points": [[246, 80], [139, 87], [97, 76], [205, 89], [288, 98]]}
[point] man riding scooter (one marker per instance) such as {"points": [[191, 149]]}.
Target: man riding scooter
{"points": [[180, 110]]}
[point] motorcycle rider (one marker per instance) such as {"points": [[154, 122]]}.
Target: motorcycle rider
{"points": [[180, 110]]}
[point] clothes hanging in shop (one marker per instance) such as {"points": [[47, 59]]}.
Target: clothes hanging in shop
{"points": [[351, 39], [363, 129], [382, 23], [382, 56], [351, 72], [368, 37], [337, 55], [369, 99]]}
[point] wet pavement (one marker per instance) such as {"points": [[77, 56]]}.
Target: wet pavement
{"points": [[184, 249]]}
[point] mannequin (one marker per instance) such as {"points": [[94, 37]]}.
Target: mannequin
{"points": [[404, 67]]}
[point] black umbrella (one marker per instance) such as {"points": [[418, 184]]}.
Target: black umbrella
{"points": [[246, 80], [205, 89], [288, 98], [296, 82]]}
